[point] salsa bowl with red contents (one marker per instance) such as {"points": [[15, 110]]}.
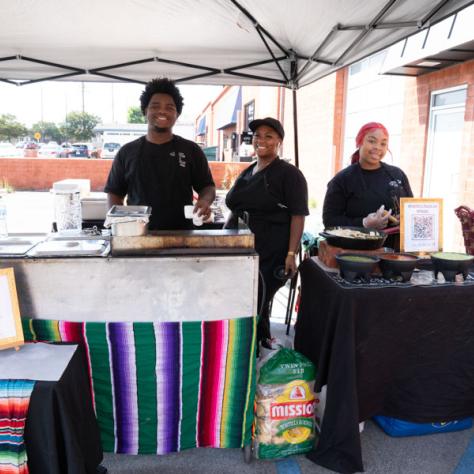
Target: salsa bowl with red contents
{"points": [[396, 265]]}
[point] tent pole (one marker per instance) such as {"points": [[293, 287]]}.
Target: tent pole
{"points": [[295, 128]]}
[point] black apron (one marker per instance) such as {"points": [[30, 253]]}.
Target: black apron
{"points": [[167, 208], [268, 219]]}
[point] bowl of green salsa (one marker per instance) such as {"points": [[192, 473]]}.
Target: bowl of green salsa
{"points": [[352, 265], [451, 263]]}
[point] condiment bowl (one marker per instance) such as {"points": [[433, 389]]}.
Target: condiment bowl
{"points": [[451, 263], [354, 265], [398, 265]]}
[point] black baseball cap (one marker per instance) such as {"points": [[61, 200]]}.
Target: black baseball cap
{"points": [[269, 122]]}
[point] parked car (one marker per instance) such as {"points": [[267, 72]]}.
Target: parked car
{"points": [[49, 150], [94, 151], [79, 150], [66, 149], [110, 149], [9, 150]]}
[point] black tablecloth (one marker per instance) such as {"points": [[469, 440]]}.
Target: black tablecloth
{"points": [[401, 352], [61, 431]]}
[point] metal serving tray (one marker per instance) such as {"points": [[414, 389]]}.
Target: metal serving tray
{"points": [[129, 211], [17, 246], [71, 248]]}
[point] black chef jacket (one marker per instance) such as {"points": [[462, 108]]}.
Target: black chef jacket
{"points": [[354, 193], [270, 197]]}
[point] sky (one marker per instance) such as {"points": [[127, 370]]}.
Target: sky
{"points": [[50, 101]]}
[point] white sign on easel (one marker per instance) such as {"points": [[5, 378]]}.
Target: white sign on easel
{"points": [[421, 225], [11, 332]]}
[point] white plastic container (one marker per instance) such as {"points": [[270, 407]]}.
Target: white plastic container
{"points": [[94, 207], [84, 185]]}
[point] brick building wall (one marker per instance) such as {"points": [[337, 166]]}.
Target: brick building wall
{"points": [[416, 125], [319, 108], [39, 174]]}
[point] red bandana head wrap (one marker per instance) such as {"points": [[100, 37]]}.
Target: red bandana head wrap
{"points": [[364, 130]]}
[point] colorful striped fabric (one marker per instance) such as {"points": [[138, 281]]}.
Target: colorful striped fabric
{"points": [[14, 401], [164, 387]]}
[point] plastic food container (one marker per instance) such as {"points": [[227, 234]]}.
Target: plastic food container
{"points": [[94, 207]]}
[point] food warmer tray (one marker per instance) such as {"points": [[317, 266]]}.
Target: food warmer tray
{"points": [[18, 246], [71, 248]]}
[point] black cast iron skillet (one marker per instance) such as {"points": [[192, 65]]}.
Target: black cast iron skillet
{"points": [[354, 243]]}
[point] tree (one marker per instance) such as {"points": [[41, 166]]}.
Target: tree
{"points": [[49, 131], [79, 126], [134, 115], [10, 128]]}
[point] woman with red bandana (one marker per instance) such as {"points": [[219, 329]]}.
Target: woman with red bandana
{"points": [[361, 194]]}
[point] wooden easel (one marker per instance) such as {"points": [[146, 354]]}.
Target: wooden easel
{"points": [[9, 304]]}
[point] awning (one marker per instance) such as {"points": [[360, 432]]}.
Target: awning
{"points": [[265, 42], [202, 126], [448, 42], [229, 107]]}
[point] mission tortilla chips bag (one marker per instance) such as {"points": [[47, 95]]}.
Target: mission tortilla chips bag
{"points": [[285, 402]]}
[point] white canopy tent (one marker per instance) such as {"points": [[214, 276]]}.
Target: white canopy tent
{"points": [[279, 42], [289, 43]]}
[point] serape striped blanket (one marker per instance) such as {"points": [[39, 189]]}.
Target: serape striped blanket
{"points": [[164, 387], [14, 401]]}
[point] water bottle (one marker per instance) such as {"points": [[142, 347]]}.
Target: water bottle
{"points": [[3, 220]]}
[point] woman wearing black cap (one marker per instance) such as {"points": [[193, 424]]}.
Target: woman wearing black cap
{"points": [[272, 195]]}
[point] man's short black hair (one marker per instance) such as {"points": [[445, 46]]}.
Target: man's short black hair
{"points": [[161, 86]]}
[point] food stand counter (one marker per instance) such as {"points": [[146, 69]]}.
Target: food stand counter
{"points": [[169, 337]]}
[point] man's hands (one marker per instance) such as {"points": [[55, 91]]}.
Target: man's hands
{"points": [[203, 209]]}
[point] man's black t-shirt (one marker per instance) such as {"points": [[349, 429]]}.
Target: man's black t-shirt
{"points": [[161, 176]]}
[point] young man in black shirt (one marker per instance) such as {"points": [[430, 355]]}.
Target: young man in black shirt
{"points": [[161, 169]]}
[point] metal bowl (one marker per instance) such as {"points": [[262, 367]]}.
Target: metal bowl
{"points": [[350, 243]]}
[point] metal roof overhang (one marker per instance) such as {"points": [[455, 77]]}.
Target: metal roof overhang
{"points": [[265, 42], [449, 42]]}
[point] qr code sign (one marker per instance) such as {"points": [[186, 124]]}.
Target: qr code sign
{"points": [[423, 227]]}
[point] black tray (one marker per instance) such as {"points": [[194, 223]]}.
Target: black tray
{"points": [[355, 244]]}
